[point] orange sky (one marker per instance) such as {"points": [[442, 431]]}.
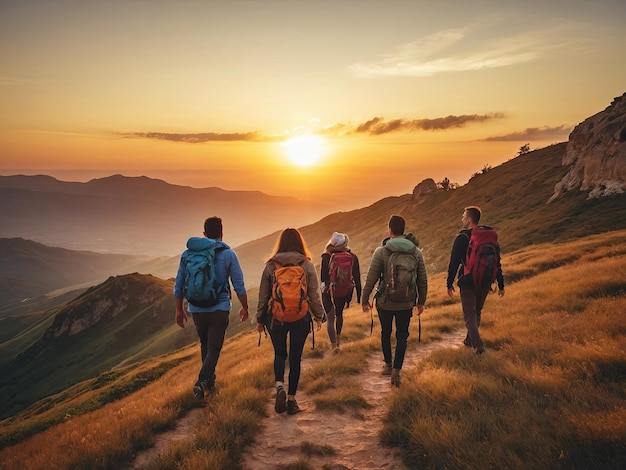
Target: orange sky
{"points": [[206, 93]]}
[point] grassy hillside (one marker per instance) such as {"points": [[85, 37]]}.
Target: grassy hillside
{"points": [[513, 197], [119, 322], [548, 393]]}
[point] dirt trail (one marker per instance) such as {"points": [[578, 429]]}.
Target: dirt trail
{"points": [[355, 439], [184, 429]]}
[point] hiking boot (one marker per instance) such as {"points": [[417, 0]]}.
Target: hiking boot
{"points": [[386, 369], [334, 348], [395, 377], [292, 407], [198, 393], [207, 388], [281, 400], [479, 351], [467, 342], [202, 390]]}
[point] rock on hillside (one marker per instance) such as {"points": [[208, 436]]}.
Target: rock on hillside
{"points": [[596, 154], [426, 187]]}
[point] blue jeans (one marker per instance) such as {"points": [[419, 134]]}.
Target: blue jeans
{"points": [[298, 332], [211, 328], [403, 320]]}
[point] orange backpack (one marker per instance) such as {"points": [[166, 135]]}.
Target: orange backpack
{"points": [[289, 299]]}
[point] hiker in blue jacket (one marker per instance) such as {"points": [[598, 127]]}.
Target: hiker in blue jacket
{"points": [[211, 321], [472, 299]]}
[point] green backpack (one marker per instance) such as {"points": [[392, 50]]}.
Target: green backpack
{"points": [[401, 277]]}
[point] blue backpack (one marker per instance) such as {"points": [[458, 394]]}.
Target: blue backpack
{"points": [[201, 288]]}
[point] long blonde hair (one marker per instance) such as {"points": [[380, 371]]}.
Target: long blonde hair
{"points": [[290, 239]]}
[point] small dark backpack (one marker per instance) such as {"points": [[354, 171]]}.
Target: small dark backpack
{"points": [[482, 258], [340, 268], [289, 299]]}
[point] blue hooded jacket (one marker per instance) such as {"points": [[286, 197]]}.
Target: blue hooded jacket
{"points": [[227, 271]]}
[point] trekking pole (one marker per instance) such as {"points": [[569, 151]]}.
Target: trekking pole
{"points": [[372, 320], [419, 328], [264, 331]]}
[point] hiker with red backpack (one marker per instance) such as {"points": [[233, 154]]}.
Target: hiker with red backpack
{"points": [[340, 274], [399, 269], [289, 300], [475, 257]]}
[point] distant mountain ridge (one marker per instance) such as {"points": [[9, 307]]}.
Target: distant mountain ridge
{"points": [[138, 215], [29, 269]]}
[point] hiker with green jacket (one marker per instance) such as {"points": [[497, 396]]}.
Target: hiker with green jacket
{"points": [[399, 269]]}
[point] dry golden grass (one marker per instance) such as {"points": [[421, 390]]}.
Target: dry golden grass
{"points": [[549, 392]]}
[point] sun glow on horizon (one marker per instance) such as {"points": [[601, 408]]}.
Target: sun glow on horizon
{"points": [[305, 150]]}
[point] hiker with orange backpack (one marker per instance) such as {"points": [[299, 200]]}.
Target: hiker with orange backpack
{"points": [[340, 275], [289, 295], [475, 257]]}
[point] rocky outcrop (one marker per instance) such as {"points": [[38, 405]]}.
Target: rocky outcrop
{"points": [[424, 188], [596, 154]]}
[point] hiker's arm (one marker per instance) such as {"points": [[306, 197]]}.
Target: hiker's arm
{"points": [[243, 312], [313, 289], [236, 277], [179, 282], [500, 279], [457, 255], [373, 275], [324, 270], [422, 284], [181, 316], [356, 275], [265, 290]]}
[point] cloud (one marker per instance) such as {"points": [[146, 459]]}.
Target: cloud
{"points": [[379, 126], [375, 126], [204, 137], [8, 80], [533, 133], [456, 50]]}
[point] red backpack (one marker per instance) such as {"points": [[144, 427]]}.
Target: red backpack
{"points": [[340, 268], [483, 257]]}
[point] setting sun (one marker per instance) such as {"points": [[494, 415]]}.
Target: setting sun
{"points": [[304, 150]]}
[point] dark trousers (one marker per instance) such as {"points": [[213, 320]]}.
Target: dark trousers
{"points": [[334, 315], [298, 332], [472, 303], [211, 328], [403, 320]]}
